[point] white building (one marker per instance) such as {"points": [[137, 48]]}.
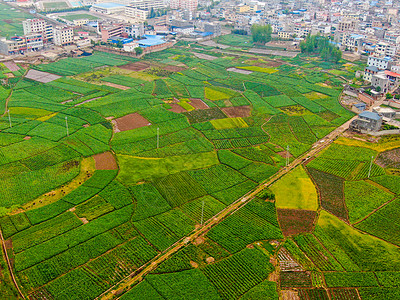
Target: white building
{"points": [[63, 36], [184, 4], [382, 63], [108, 8], [38, 26], [386, 49], [136, 13], [147, 4], [130, 47]]}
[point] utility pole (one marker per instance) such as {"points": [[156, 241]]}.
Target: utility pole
{"points": [[244, 87], [370, 166], [202, 213], [9, 117], [66, 125], [158, 137]]}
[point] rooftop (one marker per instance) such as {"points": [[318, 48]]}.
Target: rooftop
{"points": [[370, 115], [109, 5]]}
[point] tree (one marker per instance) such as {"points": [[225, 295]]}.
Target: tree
{"points": [[320, 45], [378, 89], [138, 50], [261, 34], [389, 96]]}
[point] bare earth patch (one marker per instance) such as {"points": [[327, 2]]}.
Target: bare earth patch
{"points": [[198, 103], [129, 122], [295, 221], [27, 138], [105, 161], [198, 241], [176, 108], [210, 260], [172, 68], [289, 295], [194, 264], [237, 111], [40, 76], [118, 86], [136, 66]]}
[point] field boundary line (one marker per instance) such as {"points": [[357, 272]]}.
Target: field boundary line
{"points": [[3, 244]]}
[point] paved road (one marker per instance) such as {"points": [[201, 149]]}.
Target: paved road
{"points": [[139, 274]]}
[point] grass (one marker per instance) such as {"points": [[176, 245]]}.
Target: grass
{"points": [[79, 17], [229, 123], [362, 198], [214, 94], [259, 69], [134, 169], [385, 143], [295, 191]]}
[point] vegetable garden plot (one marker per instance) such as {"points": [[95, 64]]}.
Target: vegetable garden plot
{"points": [[331, 192], [237, 274], [295, 221], [296, 279]]}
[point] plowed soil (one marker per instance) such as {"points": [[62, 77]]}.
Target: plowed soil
{"points": [[237, 111], [128, 122], [105, 161], [136, 66], [295, 221], [198, 104]]}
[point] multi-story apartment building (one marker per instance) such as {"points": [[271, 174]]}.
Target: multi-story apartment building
{"points": [[147, 4], [382, 63], [38, 26], [184, 4], [348, 25], [137, 13], [63, 36], [111, 31], [135, 30], [386, 49], [21, 44]]}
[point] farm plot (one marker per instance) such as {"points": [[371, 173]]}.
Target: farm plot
{"points": [[295, 191], [383, 223], [295, 221], [237, 274], [362, 198], [129, 122]]}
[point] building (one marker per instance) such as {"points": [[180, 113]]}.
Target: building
{"points": [[38, 26], [392, 37], [385, 49], [382, 63], [380, 80], [215, 28], [136, 13], [385, 112], [147, 4], [185, 30], [110, 31], [15, 45], [369, 72], [130, 47], [348, 25], [108, 8], [135, 30], [284, 35], [34, 42], [63, 36], [367, 121], [184, 4]]}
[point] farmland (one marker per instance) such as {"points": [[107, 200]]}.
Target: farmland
{"points": [[144, 166]]}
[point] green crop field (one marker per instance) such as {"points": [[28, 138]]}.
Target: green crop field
{"points": [[98, 183]]}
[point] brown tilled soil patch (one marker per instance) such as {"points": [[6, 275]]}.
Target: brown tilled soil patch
{"points": [[136, 66], [131, 121], [198, 104], [198, 241], [117, 86], [173, 68], [194, 264], [389, 158], [289, 295], [105, 161], [27, 138], [176, 108], [237, 111], [284, 154], [295, 279], [8, 244], [295, 221]]}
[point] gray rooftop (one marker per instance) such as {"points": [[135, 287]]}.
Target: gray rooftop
{"points": [[370, 115]]}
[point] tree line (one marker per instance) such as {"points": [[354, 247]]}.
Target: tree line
{"points": [[320, 45]]}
